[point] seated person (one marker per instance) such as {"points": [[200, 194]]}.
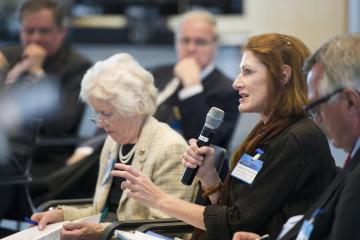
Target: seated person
{"points": [[43, 73], [293, 162], [189, 88], [123, 97], [335, 65], [44, 56]]}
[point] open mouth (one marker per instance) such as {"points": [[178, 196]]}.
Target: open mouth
{"points": [[243, 95]]}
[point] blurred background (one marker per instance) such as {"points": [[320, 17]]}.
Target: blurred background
{"points": [[144, 28]]}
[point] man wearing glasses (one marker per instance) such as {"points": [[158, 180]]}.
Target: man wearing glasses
{"points": [[193, 85], [189, 88], [334, 91]]}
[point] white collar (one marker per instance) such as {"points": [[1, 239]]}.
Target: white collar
{"points": [[207, 70]]}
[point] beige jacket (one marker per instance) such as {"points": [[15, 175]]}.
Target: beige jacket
{"points": [[158, 155]]}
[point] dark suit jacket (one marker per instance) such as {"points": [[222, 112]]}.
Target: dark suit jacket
{"points": [[341, 205], [65, 69], [297, 168], [217, 92]]}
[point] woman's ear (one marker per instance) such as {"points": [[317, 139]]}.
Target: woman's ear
{"points": [[285, 74]]}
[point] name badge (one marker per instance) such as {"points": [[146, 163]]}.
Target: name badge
{"points": [[108, 168], [307, 227], [248, 167], [305, 231]]}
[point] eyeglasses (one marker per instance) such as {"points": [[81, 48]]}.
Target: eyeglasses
{"points": [[197, 41], [105, 117], [313, 108]]}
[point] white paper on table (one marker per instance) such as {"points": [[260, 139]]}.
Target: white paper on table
{"points": [[51, 232], [123, 235]]}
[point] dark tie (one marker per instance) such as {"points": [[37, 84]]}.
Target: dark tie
{"points": [[347, 160]]}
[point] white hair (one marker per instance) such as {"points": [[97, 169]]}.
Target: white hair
{"points": [[121, 81], [341, 60], [198, 15]]}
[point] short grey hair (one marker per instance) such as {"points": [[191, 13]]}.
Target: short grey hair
{"points": [[121, 81], [198, 15], [340, 57]]}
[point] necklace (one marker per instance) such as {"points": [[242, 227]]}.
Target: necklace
{"points": [[125, 159]]}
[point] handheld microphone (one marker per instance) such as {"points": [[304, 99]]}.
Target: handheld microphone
{"points": [[214, 119]]}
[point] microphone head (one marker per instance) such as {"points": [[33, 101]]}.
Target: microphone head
{"points": [[214, 118]]}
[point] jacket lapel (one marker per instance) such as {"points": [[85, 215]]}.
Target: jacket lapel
{"points": [[335, 186], [105, 188], [142, 149]]}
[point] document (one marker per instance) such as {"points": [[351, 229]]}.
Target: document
{"points": [[51, 232], [123, 235]]}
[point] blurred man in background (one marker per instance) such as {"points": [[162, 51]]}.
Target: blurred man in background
{"points": [[43, 75], [189, 88], [193, 85], [44, 56]]}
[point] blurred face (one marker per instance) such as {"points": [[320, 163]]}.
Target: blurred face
{"points": [[196, 39], [121, 129], [252, 85], [39, 28], [331, 113]]}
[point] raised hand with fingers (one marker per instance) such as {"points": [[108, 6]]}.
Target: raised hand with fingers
{"points": [[139, 186]]}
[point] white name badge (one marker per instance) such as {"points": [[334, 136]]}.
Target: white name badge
{"points": [[247, 168], [305, 231], [107, 170], [307, 227]]}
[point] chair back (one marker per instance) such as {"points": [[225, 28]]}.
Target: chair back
{"points": [[15, 173]]}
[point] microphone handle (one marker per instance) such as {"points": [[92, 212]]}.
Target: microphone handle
{"points": [[204, 139]]}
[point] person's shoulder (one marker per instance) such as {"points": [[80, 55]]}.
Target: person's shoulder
{"points": [[164, 133], [218, 80], [304, 125], [219, 76], [305, 132], [11, 50], [11, 47], [74, 57], [162, 68]]}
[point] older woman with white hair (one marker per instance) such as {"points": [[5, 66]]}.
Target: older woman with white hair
{"points": [[123, 97]]}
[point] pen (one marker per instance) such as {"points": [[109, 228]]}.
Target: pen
{"points": [[266, 236], [28, 220]]}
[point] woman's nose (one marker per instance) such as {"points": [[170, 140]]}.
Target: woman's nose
{"points": [[237, 82]]}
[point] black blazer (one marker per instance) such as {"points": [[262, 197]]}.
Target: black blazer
{"points": [[297, 168], [64, 69], [341, 205], [218, 92]]}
